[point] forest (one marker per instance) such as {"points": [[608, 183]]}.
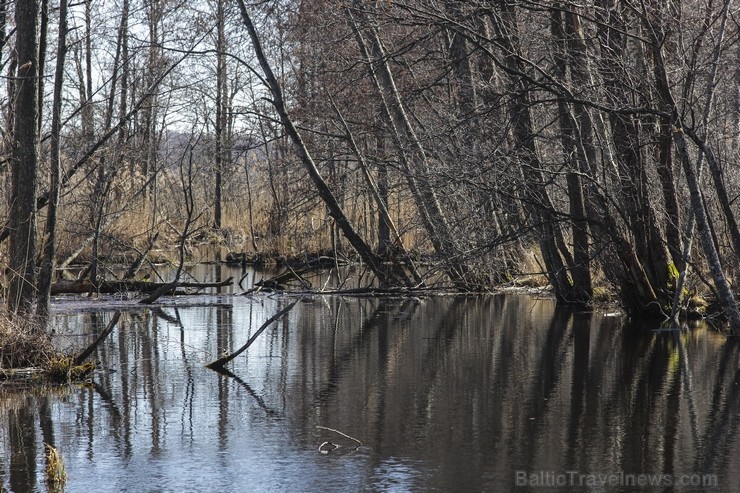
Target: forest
{"points": [[588, 145]]}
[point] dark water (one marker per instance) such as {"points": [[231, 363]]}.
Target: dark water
{"points": [[445, 394]]}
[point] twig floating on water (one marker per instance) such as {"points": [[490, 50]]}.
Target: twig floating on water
{"points": [[359, 443], [327, 447]]}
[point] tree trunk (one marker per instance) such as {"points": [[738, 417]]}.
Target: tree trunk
{"points": [[3, 33], [670, 195], [372, 261], [722, 195], [648, 240], [381, 202], [221, 98], [587, 133], [104, 175], [43, 31], [123, 102], [149, 116], [46, 274], [84, 74], [582, 290], [464, 82], [727, 299], [704, 229], [384, 231], [22, 248], [537, 199], [412, 154]]}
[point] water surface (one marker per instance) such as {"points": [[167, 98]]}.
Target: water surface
{"points": [[445, 394]]}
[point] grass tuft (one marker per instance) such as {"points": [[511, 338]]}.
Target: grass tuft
{"points": [[27, 353], [61, 369], [56, 476]]}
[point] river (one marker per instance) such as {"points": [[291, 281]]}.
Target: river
{"points": [[441, 393]]}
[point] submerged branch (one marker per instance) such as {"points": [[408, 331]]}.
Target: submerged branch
{"points": [[91, 348], [219, 363]]}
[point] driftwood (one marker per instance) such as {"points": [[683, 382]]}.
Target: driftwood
{"points": [[106, 287], [359, 443], [280, 281], [219, 363]]}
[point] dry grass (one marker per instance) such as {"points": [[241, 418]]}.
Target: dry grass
{"points": [[27, 354], [23, 345], [56, 475], [306, 229], [131, 218], [302, 226]]}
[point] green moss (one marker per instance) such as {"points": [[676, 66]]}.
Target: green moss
{"points": [[63, 370], [673, 273]]}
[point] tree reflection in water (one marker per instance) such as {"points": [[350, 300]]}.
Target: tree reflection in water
{"points": [[452, 393]]}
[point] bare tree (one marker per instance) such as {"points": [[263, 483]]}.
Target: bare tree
{"points": [[48, 263], [412, 154], [372, 261], [221, 112], [22, 247]]}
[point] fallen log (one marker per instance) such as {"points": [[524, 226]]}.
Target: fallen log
{"points": [[20, 374], [280, 282], [108, 287]]}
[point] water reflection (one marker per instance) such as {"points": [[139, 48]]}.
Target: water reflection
{"points": [[447, 394]]}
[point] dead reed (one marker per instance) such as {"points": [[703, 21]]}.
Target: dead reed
{"points": [[56, 475]]}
